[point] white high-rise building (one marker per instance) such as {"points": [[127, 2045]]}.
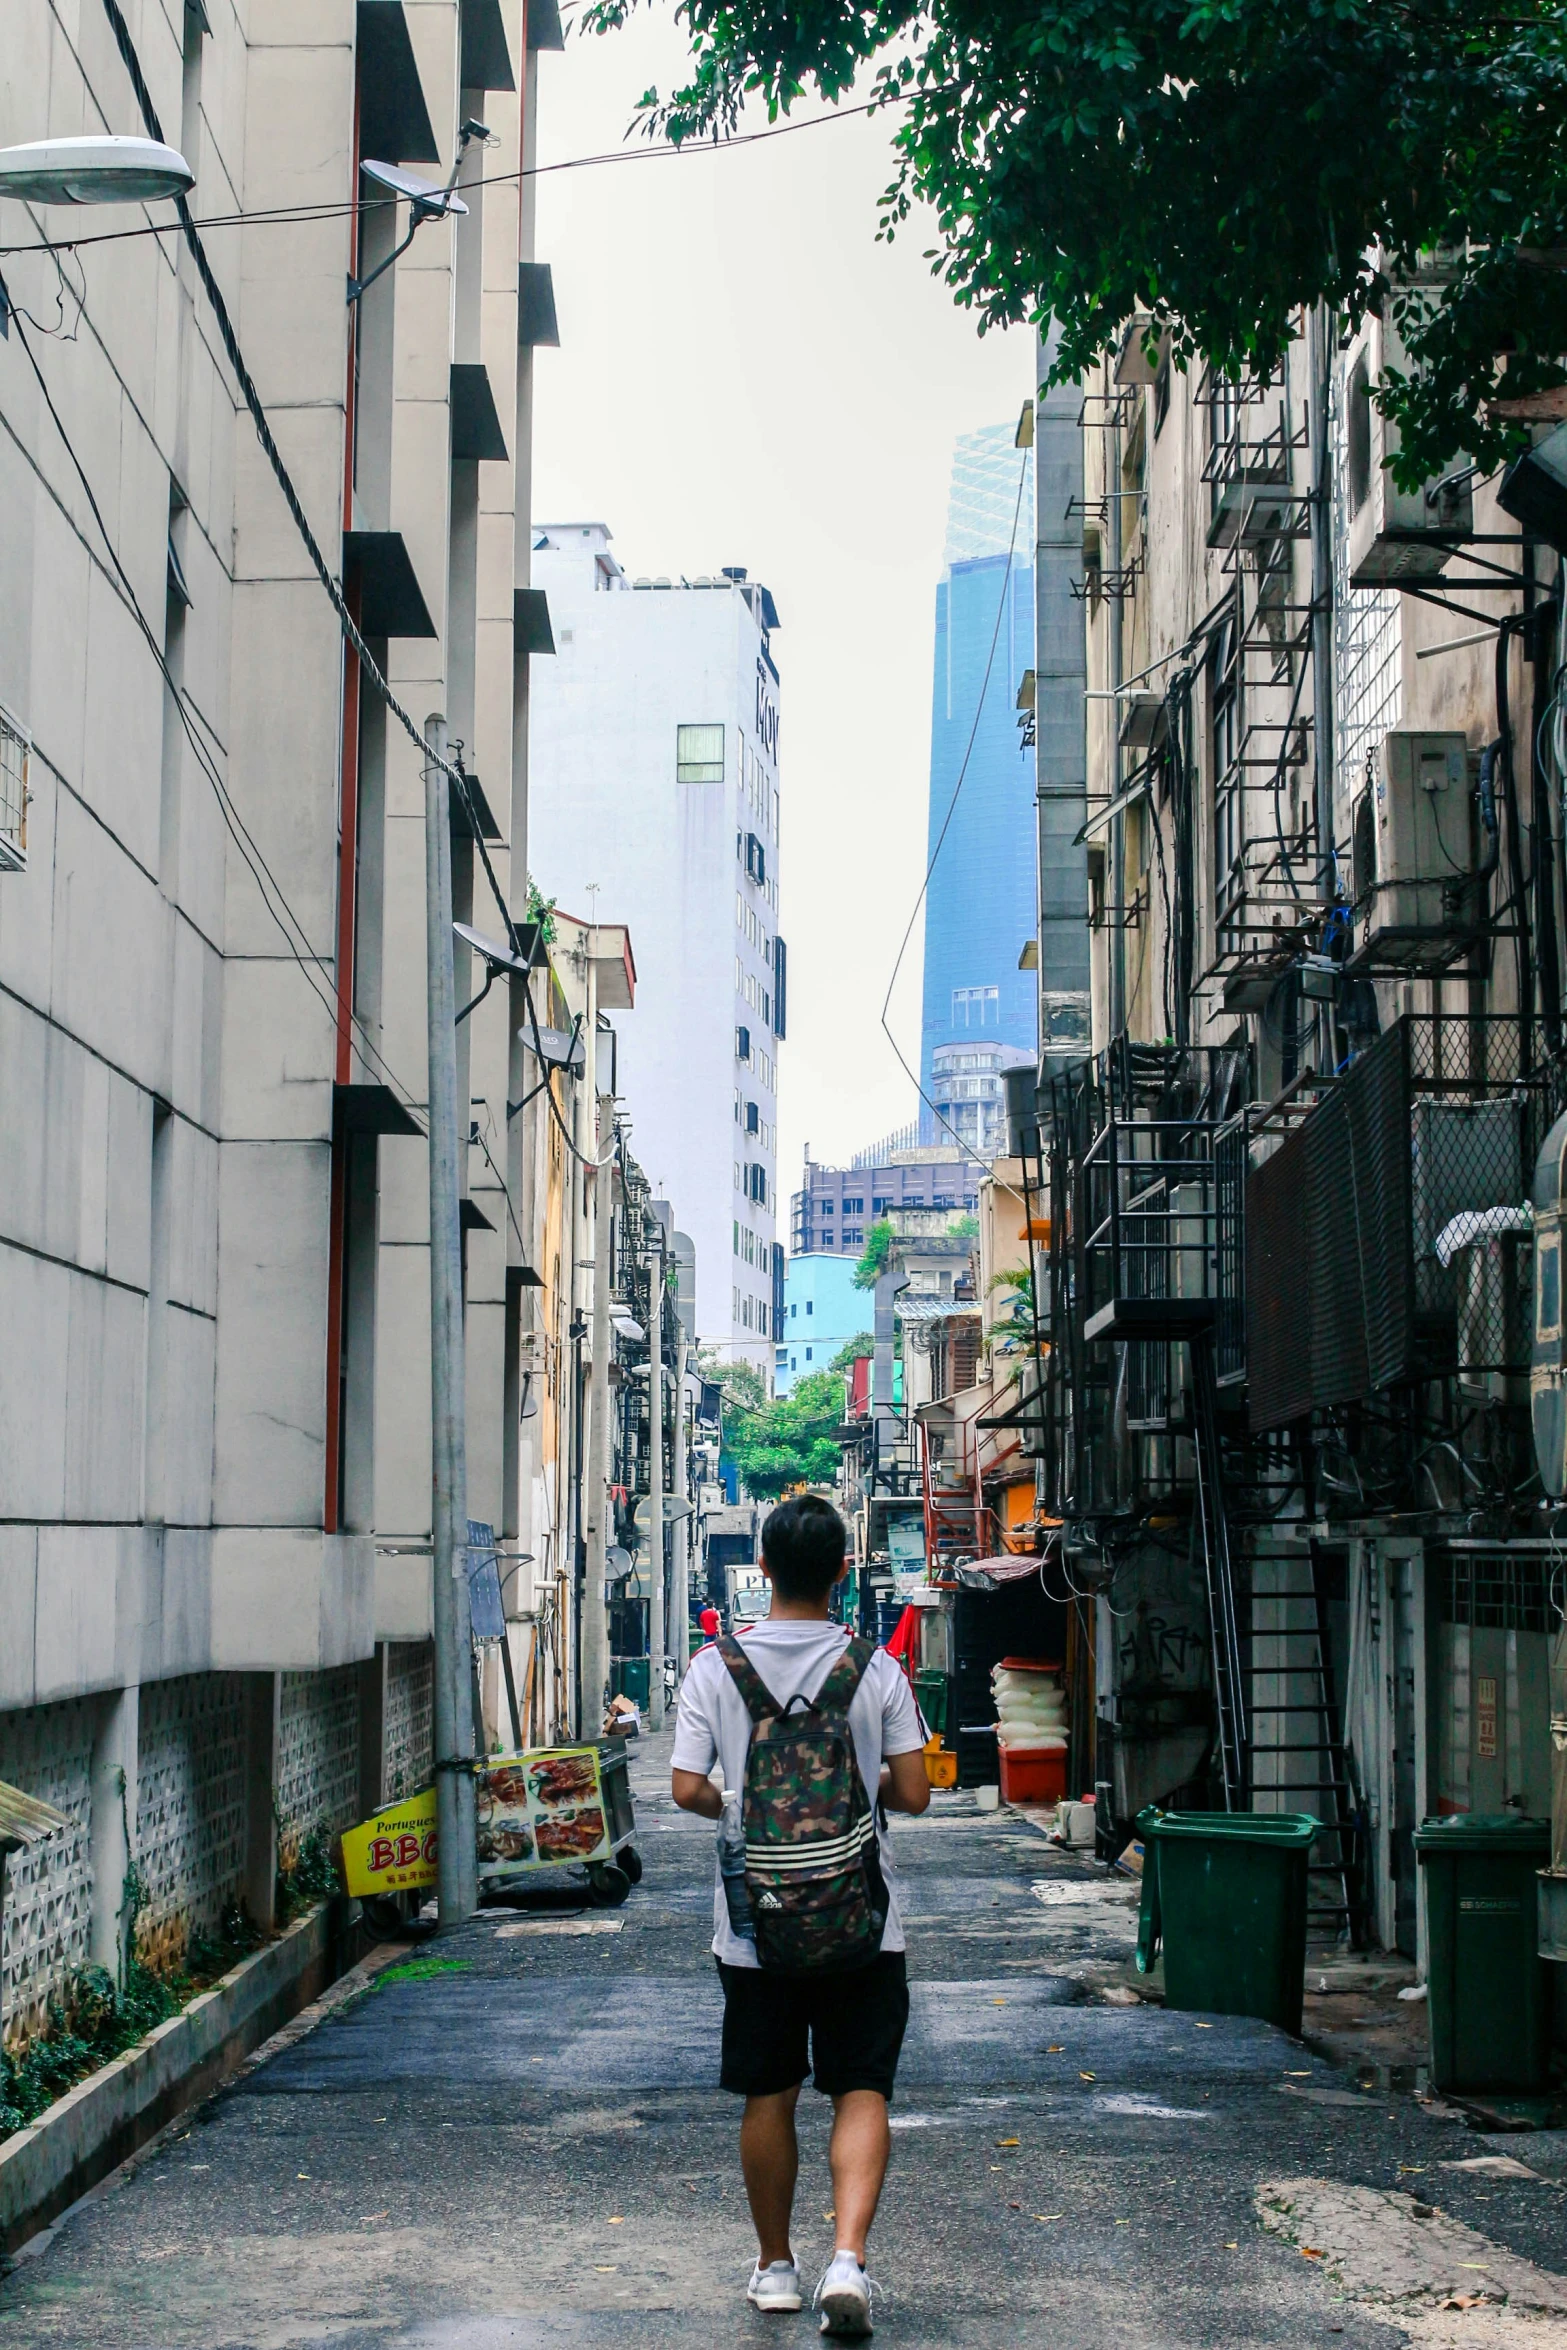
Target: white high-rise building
{"points": [[653, 786]]}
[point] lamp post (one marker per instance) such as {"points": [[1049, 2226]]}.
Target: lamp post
{"points": [[97, 170]]}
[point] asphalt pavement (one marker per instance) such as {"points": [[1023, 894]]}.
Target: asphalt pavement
{"points": [[512, 2139]]}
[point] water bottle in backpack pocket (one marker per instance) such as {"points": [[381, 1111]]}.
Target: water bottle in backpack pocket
{"points": [[731, 1864]]}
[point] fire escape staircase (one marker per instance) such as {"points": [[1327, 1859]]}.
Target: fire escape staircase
{"points": [[958, 1521], [1274, 1709]]}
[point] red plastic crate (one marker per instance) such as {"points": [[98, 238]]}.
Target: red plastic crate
{"points": [[1033, 1774]]}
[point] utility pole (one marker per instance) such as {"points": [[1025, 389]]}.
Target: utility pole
{"points": [[595, 1616], [655, 1487], [458, 1881]]}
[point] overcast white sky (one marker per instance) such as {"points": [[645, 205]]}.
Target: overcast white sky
{"points": [[747, 376]]}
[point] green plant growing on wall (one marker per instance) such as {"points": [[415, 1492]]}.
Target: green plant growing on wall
{"points": [[1215, 165], [879, 1242]]}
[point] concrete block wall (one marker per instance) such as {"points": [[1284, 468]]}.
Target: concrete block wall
{"points": [[192, 1812], [318, 1752], [46, 1930]]}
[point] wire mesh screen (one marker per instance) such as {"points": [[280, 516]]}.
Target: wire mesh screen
{"points": [[1387, 1239]]}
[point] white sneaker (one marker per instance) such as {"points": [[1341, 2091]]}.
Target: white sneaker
{"points": [[844, 2296], [775, 2287]]}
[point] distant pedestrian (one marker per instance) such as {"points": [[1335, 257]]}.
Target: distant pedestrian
{"points": [[708, 1619], [811, 1729]]}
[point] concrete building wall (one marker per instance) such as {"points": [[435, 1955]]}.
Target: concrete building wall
{"points": [[194, 1513], [612, 826], [822, 1311]]}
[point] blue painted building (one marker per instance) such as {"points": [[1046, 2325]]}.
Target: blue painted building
{"points": [[822, 1311], [980, 906]]}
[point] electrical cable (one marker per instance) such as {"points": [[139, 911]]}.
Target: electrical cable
{"points": [[278, 215], [296, 939], [946, 822], [369, 668]]}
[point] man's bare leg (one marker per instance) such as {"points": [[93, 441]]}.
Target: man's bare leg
{"points": [[770, 2159], [861, 2144]]}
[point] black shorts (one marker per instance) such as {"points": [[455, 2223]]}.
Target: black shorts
{"points": [[855, 2023]]}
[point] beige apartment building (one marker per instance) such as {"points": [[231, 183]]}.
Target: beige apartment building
{"points": [[215, 1414], [1284, 1212]]}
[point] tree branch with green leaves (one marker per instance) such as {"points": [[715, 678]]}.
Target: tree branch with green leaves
{"points": [[1218, 165]]}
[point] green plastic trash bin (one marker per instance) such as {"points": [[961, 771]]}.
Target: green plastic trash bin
{"points": [[931, 1690], [1488, 1990], [1225, 1892]]}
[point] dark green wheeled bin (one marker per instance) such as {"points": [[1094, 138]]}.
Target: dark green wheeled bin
{"points": [[1225, 1892], [1488, 1989]]}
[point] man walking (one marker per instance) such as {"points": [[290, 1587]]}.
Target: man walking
{"points": [[813, 1732]]}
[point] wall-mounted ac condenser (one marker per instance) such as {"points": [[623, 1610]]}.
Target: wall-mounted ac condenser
{"points": [[1394, 534], [1414, 847]]}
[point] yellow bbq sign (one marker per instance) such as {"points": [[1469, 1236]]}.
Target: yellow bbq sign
{"points": [[393, 1851]]}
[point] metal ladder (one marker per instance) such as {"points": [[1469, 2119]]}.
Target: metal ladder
{"points": [[1210, 1526], [1304, 1720]]}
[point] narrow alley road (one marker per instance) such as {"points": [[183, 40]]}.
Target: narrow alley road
{"points": [[514, 2140]]}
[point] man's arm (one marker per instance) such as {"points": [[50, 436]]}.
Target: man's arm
{"points": [[905, 1782], [695, 1791]]}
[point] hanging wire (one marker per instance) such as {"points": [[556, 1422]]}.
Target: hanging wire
{"points": [[946, 823], [273, 896], [369, 668]]}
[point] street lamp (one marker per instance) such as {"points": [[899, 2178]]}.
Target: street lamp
{"points": [[97, 170]]}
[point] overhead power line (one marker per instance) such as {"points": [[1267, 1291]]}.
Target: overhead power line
{"points": [[369, 668], [946, 826], [287, 215], [273, 896]]}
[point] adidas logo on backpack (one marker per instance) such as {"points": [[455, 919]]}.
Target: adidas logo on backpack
{"points": [[812, 1862]]}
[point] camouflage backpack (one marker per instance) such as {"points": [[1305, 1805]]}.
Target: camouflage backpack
{"points": [[812, 1862]]}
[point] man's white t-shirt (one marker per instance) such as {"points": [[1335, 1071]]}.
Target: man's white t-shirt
{"points": [[793, 1658]]}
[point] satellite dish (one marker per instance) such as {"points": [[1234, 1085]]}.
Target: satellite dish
{"points": [[424, 195], [557, 1048], [499, 958], [98, 170]]}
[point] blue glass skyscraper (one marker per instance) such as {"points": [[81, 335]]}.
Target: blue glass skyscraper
{"points": [[980, 905]]}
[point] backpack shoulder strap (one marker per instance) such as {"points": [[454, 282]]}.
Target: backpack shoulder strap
{"points": [[836, 1693], [759, 1701]]}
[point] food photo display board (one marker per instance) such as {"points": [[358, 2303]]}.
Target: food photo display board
{"points": [[542, 1809]]}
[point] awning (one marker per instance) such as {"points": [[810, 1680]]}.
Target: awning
{"points": [[486, 56], [390, 600], [530, 619], [476, 426], [394, 120], [989, 1574], [912, 1306], [536, 320], [26, 1820], [369, 1109]]}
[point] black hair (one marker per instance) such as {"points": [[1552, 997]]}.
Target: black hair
{"points": [[803, 1545]]}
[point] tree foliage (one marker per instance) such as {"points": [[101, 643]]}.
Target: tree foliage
{"points": [[852, 1351], [791, 1440], [1217, 164]]}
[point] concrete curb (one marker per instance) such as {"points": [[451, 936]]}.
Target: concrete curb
{"points": [[91, 2129]]}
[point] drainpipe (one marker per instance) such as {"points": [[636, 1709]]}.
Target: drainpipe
{"points": [[1320, 360], [595, 1615], [458, 1884]]}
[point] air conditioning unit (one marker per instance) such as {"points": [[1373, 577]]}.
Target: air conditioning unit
{"points": [[1414, 847], [1394, 534]]}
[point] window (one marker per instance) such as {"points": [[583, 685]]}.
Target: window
{"points": [[793, 1310], [699, 754], [808, 1353], [828, 1206], [810, 1305], [737, 1236], [854, 1207], [743, 1044], [13, 795], [976, 1007], [1229, 843]]}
